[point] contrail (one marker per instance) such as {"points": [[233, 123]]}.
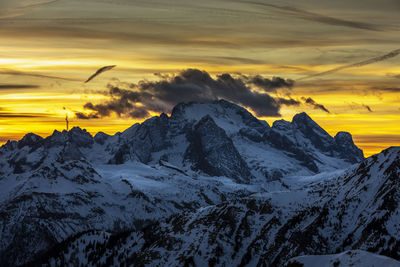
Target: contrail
{"points": [[392, 54], [99, 71]]}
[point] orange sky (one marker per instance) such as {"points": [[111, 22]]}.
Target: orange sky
{"points": [[48, 48]]}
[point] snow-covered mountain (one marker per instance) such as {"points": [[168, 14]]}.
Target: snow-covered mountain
{"points": [[354, 209], [354, 258], [209, 184]]}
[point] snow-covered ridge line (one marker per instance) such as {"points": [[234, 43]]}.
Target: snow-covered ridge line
{"points": [[259, 151]]}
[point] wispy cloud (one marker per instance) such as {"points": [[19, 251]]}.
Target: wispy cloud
{"points": [[384, 89], [16, 8], [354, 105], [29, 74], [316, 17]]}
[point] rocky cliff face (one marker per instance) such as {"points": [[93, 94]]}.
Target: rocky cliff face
{"points": [[213, 152]]}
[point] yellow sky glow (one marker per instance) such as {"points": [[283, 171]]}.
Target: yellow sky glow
{"points": [[47, 52]]}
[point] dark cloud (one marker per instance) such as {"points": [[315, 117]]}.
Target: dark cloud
{"points": [[18, 86], [270, 85], [367, 107], [311, 102], [288, 102], [312, 16], [190, 85], [139, 112], [387, 56], [84, 116]]}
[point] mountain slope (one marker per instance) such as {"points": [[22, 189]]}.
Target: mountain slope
{"points": [[323, 217], [355, 210], [355, 258]]}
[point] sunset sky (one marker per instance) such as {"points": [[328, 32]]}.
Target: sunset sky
{"points": [[49, 48]]}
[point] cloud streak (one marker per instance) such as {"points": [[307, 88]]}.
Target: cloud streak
{"points": [[23, 115], [311, 102], [392, 75], [18, 86], [387, 56], [190, 85], [355, 105]]}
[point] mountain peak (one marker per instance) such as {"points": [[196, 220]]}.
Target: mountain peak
{"points": [[79, 136], [101, 137], [302, 115], [347, 148], [344, 139], [29, 139], [307, 125], [303, 118], [312, 130], [225, 114], [77, 129]]}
